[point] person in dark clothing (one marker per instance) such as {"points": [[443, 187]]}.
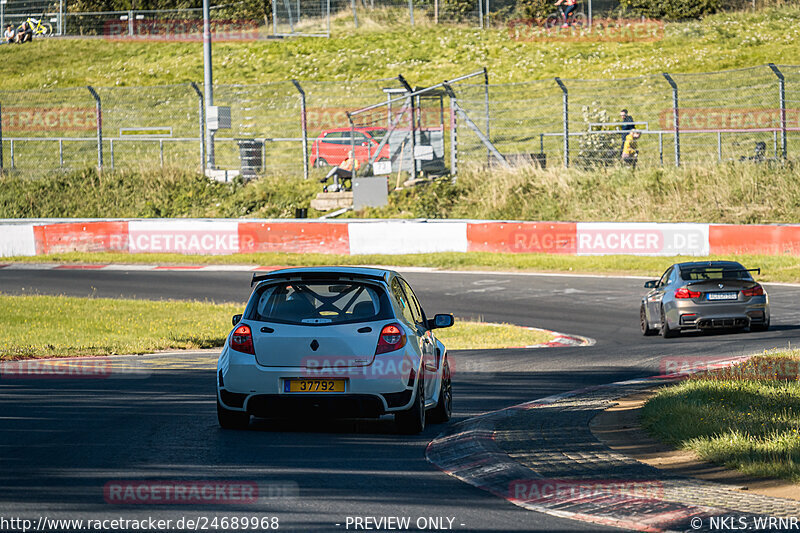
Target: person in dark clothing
{"points": [[627, 125], [25, 33]]}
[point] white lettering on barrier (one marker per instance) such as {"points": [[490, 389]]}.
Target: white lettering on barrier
{"points": [[407, 237], [184, 237], [642, 239]]}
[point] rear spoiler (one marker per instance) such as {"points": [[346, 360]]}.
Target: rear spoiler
{"points": [[258, 278], [697, 269]]}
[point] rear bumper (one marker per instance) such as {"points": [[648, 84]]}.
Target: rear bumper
{"points": [[689, 315]]}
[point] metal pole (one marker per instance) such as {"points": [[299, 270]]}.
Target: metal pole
{"points": [[411, 11], [61, 153], [719, 146], [208, 80], [480, 13], [303, 126], [412, 117], [675, 118], [453, 136], [99, 112], [352, 149], [111, 145], [328, 16], [488, 20], [130, 23], [486, 106], [782, 89], [355, 15], [161, 151], [201, 113], [3, 14], [275, 19], [61, 17], [661, 148], [590, 13], [566, 121], [289, 14], [541, 143]]}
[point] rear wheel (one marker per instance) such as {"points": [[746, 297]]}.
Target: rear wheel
{"points": [[666, 332], [412, 421], [47, 29], [647, 331], [579, 19], [231, 419], [444, 409], [552, 21]]}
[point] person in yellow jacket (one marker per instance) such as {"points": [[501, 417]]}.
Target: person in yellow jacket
{"points": [[344, 171], [630, 150]]}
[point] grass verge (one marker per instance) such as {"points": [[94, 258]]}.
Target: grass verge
{"points": [[746, 418], [775, 268], [58, 326]]}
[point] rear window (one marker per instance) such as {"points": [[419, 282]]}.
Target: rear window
{"points": [[320, 302], [715, 272]]}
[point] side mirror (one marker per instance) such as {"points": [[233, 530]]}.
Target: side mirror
{"points": [[236, 319], [441, 321], [650, 284]]}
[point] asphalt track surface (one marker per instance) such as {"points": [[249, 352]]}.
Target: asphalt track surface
{"points": [[63, 440]]}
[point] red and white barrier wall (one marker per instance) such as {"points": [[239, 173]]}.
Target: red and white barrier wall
{"points": [[230, 236]]}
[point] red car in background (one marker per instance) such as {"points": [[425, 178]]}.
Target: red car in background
{"points": [[332, 146]]}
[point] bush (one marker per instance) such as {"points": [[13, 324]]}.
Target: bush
{"points": [[598, 149], [673, 9], [534, 9]]}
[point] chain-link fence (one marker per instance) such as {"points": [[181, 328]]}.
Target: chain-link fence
{"points": [[294, 128]]}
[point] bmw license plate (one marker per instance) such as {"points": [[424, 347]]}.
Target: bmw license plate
{"points": [[313, 385], [723, 296]]}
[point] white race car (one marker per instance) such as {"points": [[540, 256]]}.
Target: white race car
{"points": [[335, 342]]}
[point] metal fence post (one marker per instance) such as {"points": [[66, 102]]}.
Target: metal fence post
{"points": [[480, 13], [274, 19], [355, 15], [782, 89], [486, 105], [566, 121], [354, 170], [303, 126], [411, 11], [675, 118], [413, 119], [453, 133], [99, 112], [130, 23], [201, 112]]}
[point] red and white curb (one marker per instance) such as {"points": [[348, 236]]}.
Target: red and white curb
{"points": [[468, 451]]}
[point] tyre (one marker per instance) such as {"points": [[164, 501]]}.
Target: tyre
{"points": [[647, 331], [760, 327], [552, 22], [444, 409], [231, 419], [579, 19], [666, 332], [47, 29], [412, 421]]}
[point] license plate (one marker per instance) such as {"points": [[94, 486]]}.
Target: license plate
{"points": [[313, 385], [723, 296]]}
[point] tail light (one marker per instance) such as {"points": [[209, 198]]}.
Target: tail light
{"points": [[391, 338], [683, 292], [242, 340], [757, 290]]}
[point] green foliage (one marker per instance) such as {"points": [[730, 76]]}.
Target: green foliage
{"points": [[673, 9], [534, 9], [597, 149]]}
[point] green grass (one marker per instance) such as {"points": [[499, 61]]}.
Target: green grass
{"points": [[779, 268], [40, 326], [746, 419], [425, 54], [58, 326], [737, 193]]}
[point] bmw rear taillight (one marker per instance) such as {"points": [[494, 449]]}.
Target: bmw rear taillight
{"points": [[683, 292], [391, 338], [757, 290], [242, 340]]}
